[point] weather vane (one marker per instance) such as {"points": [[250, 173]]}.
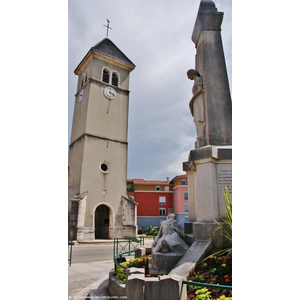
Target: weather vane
{"points": [[107, 26]]}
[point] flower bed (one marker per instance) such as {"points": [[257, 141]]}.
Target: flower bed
{"points": [[215, 270], [140, 262]]}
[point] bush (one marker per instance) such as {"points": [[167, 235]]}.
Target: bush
{"points": [[149, 230]]}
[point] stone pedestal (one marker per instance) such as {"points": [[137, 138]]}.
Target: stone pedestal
{"points": [[135, 287], [171, 287], [163, 263], [209, 170], [152, 290]]}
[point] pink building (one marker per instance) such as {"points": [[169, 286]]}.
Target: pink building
{"points": [[180, 199]]}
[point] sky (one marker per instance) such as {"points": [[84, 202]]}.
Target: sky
{"points": [[156, 36]]}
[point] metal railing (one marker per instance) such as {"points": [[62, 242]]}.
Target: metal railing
{"points": [[120, 255], [208, 285], [70, 244], [127, 244]]}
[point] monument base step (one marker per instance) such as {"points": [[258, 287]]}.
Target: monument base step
{"points": [[163, 263], [198, 251]]}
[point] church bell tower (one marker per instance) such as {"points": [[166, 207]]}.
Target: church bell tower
{"points": [[99, 207]]}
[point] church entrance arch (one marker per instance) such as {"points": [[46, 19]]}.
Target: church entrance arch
{"points": [[102, 221]]}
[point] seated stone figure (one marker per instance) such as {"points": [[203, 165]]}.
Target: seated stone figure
{"points": [[170, 237]]}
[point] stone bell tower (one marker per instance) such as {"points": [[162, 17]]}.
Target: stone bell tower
{"points": [[99, 207]]}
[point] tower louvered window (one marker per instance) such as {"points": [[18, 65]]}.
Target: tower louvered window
{"points": [[105, 76], [115, 79]]}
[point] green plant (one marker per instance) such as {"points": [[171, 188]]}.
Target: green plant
{"points": [[213, 278], [214, 260], [155, 230], [213, 271], [120, 272], [199, 278], [149, 230], [223, 297], [202, 294], [139, 262], [226, 230]]}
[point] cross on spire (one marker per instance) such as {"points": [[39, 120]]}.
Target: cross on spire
{"points": [[107, 26]]}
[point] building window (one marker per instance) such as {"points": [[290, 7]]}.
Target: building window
{"points": [[157, 188], [105, 76], [162, 211], [115, 79], [186, 208], [182, 182], [86, 76], [82, 80], [167, 188], [186, 219], [105, 167], [162, 200], [186, 196]]}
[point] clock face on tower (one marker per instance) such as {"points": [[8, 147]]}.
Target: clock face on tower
{"points": [[109, 93]]}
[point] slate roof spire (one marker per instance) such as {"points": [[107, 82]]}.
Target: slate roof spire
{"points": [[108, 48]]}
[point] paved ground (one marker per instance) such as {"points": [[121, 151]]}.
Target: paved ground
{"points": [[91, 276], [83, 277]]}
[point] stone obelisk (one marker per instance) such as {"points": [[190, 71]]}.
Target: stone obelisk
{"points": [[209, 165]]}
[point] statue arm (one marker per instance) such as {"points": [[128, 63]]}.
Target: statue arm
{"points": [[178, 230], [195, 95], [180, 233]]}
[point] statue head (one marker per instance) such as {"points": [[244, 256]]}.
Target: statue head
{"points": [[171, 216], [191, 73]]}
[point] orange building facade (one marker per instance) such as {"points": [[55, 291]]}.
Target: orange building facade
{"points": [[156, 199]]}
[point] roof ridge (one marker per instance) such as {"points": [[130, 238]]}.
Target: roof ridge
{"points": [[104, 46]]}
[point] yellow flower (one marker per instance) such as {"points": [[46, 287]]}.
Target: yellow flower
{"points": [[223, 265]]}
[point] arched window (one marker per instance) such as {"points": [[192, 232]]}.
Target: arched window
{"points": [[105, 76], [115, 79]]}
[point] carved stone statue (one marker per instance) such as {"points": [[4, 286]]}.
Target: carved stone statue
{"points": [[170, 237], [197, 106]]}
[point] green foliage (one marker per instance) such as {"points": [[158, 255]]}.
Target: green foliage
{"points": [[203, 265], [226, 229], [199, 278], [213, 271], [223, 297], [149, 230], [214, 260], [202, 294], [120, 272], [155, 230], [139, 262]]}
